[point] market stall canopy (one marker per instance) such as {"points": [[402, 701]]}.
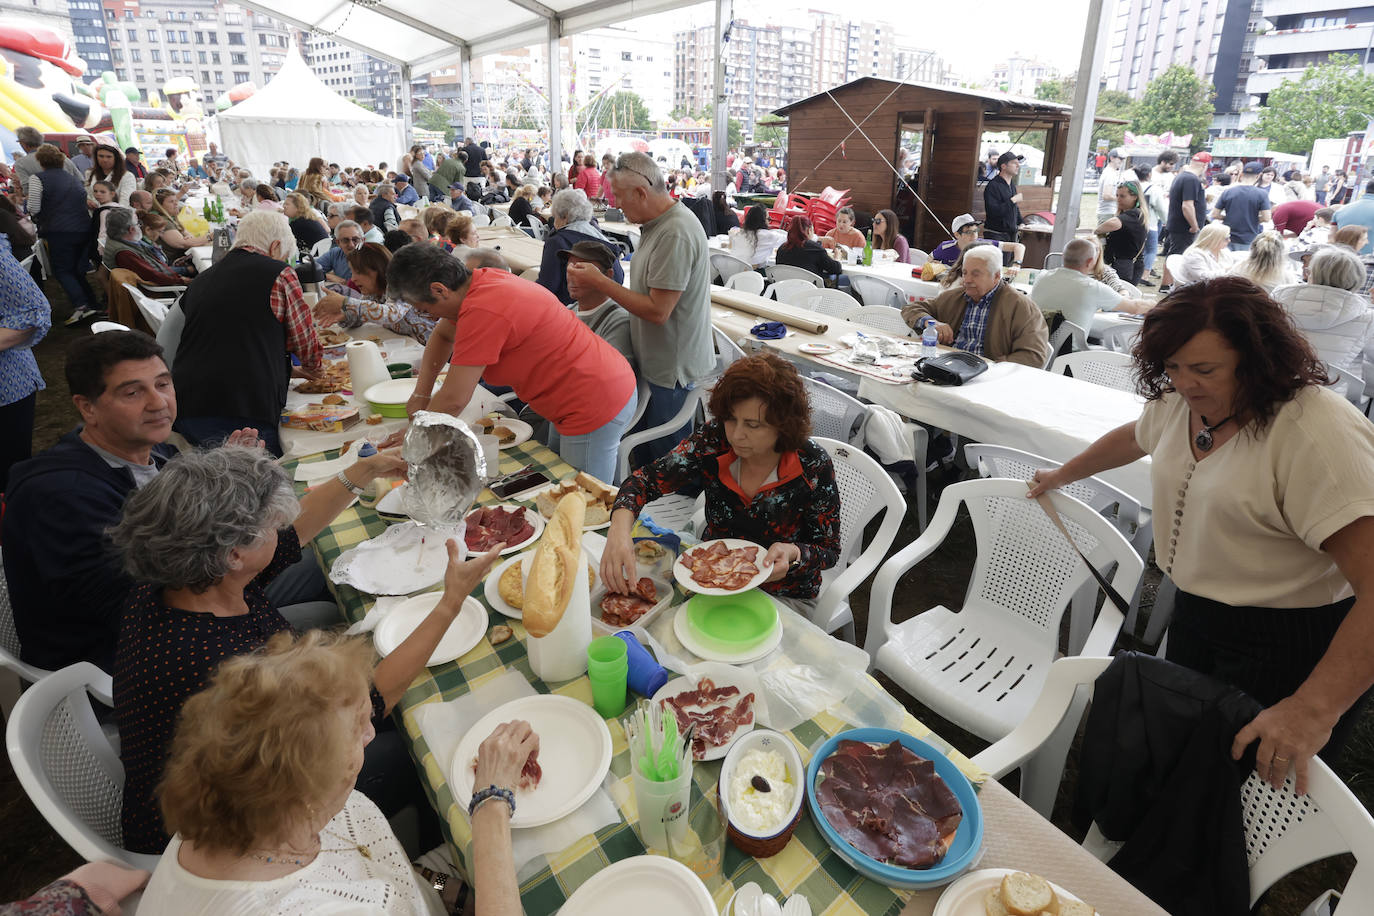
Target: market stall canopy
{"points": [[295, 117], [426, 34]]}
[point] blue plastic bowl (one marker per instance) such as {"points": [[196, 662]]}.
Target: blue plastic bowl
{"points": [[968, 839]]}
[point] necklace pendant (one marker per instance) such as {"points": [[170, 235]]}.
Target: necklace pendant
{"points": [[367, 853], [1203, 440]]}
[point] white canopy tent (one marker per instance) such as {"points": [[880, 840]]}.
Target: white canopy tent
{"points": [[295, 117]]}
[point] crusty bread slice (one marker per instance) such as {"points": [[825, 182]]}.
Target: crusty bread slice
{"points": [[992, 903], [1024, 894], [1075, 908]]}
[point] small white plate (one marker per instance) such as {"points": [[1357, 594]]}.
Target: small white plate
{"points": [[683, 684], [491, 589], [642, 884], [684, 575], [574, 753], [697, 648], [965, 896], [395, 391], [523, 431], [817, 349], [465, 632], [392, 504], [535, 519]]}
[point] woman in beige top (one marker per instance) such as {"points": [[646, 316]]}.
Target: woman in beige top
{"points": [[1263, 484]]}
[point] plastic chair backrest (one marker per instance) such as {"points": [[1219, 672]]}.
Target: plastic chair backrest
{"points": [[830, 302], [99, 327], [916, 257], [726, 349], [540, 230], [320, 247], [883, 317], [154, 311], [793, 292], [27, 264], [481, 219], [40, 250], [1052, 260], [9, 639], [746, 281], [67, 766], [864, 491], [530, 273], [1101, 367], [1002, 461], [777, 272], [876, 291], [726, 265], [1067, 330], [502, 221], [834, 414]]}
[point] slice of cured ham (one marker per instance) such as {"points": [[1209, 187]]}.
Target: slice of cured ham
{"points": [[488, 527], [623, 610], [712, 712], [718, 566], [888, 803], [530, 773]]}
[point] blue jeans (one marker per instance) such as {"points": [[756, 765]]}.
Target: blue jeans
{"points": [[67, 251], [1151, 248], [664, 403], [595, 452]]}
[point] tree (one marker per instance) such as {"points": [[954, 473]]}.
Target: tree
{"points": [[1176, 100], [623, 110], [1328, 100], [434, 116], [1110, 104], [771, 133]]}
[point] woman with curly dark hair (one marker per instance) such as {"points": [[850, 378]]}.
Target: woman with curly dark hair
{"points": [[764, 481], [1263, 483]]}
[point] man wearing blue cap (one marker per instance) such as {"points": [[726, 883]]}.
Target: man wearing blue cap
{"points": [[1243, 207], [405, 194]]}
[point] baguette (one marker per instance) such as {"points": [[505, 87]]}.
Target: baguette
{"points": [[554, 568]]}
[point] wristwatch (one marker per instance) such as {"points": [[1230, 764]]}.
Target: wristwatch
{"points": [[342, 478]]}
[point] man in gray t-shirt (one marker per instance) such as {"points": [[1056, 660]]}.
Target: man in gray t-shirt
{"points": [[669, 297]]}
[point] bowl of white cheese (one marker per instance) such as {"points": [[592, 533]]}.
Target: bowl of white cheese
{"points": [[761, 792]]}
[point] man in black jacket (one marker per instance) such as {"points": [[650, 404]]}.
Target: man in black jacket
{"points": [[1000, 200]]}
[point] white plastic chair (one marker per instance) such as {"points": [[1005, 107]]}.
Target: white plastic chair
{"points": [[503, 221], [883, 317], [40, 251], [776, 272], [1067, 330], [726, 265], [916, 257], [746, 281], [792, 292], [9, 652], [1175, 263], [99, 327], [830, 302], [1346, 385], [535, 223], [694, 400], [983, 666], [480, 220], [27, 264], [876, 291], [1283, 831], [1132, 519], [1101, 367], [321, 247], [1120, 337], [68, 767], [530, 273], [154, 311], [1053, 260], [727, 351], [834, 414]]}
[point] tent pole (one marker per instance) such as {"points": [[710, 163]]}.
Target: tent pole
{"points": [[1081, 124], [720, 122], [555, 98], [465, 89], [407, 106]]}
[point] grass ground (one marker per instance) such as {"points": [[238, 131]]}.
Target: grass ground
{"points": [[32, 855]]}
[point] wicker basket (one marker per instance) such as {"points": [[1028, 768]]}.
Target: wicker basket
{"points": [[748, 843]]}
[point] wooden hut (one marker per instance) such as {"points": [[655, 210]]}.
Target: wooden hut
{"points": [[825, 148]]}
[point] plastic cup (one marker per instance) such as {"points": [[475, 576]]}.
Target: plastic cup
{"points": [[491, 451], [664, 810], [606, 649], [646, 676], [607, 674]]}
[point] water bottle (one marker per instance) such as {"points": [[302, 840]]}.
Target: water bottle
{"points": [[930, 340], [868, 249]]}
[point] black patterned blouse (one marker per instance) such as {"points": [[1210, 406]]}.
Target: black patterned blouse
{"points": [[802, 507]]}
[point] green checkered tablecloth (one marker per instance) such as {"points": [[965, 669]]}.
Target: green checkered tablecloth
{"points": [[806, 865]]}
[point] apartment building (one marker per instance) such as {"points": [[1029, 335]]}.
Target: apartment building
{"points": [[922, 65], [614, 60], [753, 70], [1295, 34], [1021, 76], [370, 81], [87, 18]]}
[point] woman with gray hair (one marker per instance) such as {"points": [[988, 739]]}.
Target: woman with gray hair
{"points": [[204, 539], [571, 213], [1332, 314]]}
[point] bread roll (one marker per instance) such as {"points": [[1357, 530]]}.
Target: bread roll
{"points": [[1025, 894], [555, 564], [992, 903]]}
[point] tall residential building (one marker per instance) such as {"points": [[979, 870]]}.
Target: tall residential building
{"points": [[920, 65], [871, 46], [217, 45], [1305, 32], [622, 60], [844, 50], [374, 83], [1211, 36], [794, 64], [753, 70], [89, 38], [1021, 76]]}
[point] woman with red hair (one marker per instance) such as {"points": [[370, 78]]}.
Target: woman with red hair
{"points": [[765, 481], [802, 250]]}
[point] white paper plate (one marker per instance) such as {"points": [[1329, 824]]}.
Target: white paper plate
{"points": [[386, 565], [392, 503], [491, 589], [532, 494], [395, 391], [818, 349], [684, 575], [534, 517], [574, 752], [642, 884], [523, 431], [965, 896], [697, 648], [465, 632], [682, 684]]}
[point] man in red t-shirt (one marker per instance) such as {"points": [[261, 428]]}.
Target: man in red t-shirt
{"points": [[1292, 217]]}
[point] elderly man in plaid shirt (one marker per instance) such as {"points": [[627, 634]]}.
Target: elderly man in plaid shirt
{"points": [[985, 315]]}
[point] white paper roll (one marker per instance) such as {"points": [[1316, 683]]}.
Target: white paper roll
{"points": [[365, 365], [562, 655]]}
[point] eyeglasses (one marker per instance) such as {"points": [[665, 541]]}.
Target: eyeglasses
{"points": [[877, 220], [628, 164], [350, 240]]}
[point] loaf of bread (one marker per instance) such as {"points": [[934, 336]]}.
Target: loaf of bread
{"points": [[552, 571]]}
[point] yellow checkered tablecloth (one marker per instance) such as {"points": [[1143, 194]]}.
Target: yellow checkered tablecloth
{"points": [[807, 865]]}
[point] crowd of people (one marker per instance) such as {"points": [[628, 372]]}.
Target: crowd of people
{"points": [[260, 755]]}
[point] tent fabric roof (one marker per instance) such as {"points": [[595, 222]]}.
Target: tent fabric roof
{"points": [[425, 34], [295, 93]]}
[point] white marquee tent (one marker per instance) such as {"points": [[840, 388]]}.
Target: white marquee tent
{"points": [[295, 117]]}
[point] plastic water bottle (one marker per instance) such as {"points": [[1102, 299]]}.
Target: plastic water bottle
{"points": [[930, 340]]}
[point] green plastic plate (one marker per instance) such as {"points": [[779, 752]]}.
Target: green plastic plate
{"points": [[733, 622]]}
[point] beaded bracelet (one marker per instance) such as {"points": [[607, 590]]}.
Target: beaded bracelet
{"points": [[491, 792]]}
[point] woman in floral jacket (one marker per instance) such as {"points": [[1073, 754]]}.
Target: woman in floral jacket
{"points": [[764, 481]]}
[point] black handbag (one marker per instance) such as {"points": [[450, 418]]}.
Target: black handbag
{"points": [[953, 367]]}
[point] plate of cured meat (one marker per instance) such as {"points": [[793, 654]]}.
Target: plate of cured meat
{"points": [[895, 808], [718, 711], [725, 566], [649, 596], [570, 733], [516, 526]]}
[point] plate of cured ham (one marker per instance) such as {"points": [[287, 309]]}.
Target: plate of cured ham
{"points": [[718, 711], [515, 526], [895, 808], [725, 566], [570, 733]]}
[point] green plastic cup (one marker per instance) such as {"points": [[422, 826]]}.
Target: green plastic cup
{"points": [[607, 650], [608, 669]]}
